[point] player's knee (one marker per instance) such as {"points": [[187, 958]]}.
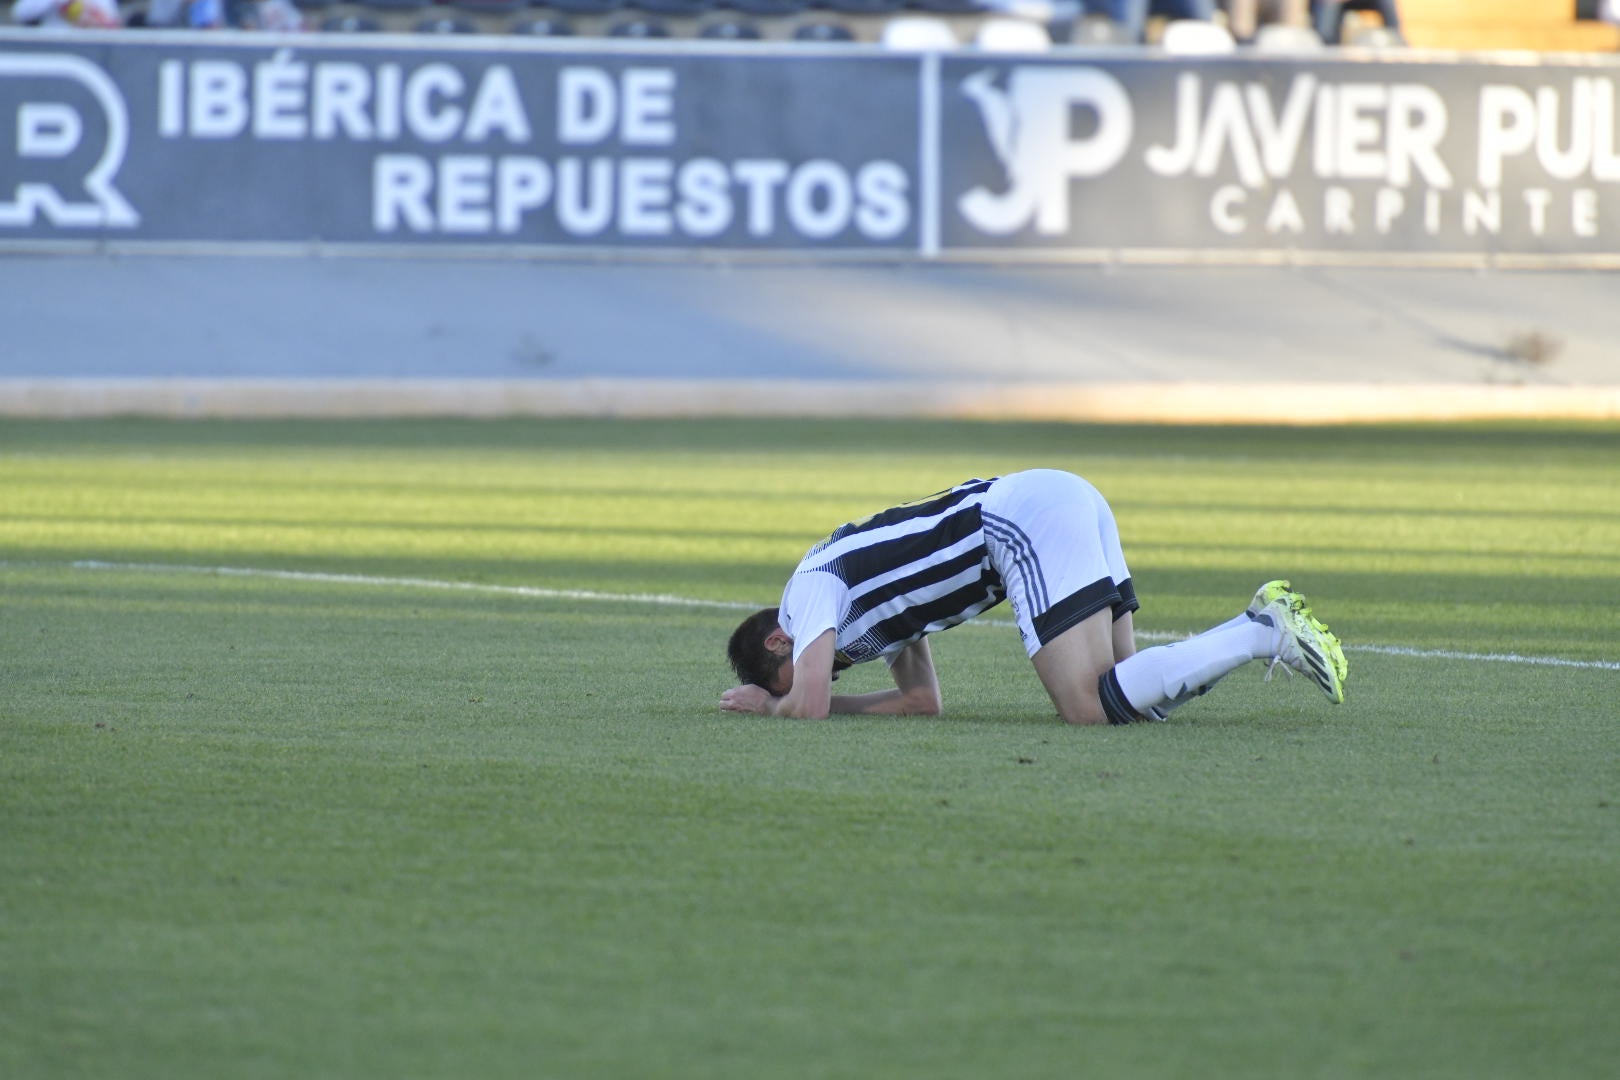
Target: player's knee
{"points": [[923, 701], [1087, 714], [1116, 708], [1074, 692]]}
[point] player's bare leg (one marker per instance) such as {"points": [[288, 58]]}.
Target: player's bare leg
{"points": [[1071, 665], [1124, 637]]}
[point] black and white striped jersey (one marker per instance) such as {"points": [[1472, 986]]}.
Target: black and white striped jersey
{"points": [[889, 579]]}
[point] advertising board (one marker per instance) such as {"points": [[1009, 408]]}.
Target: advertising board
{"points": [[219, 140]]}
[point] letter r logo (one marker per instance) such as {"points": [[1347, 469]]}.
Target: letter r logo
{"points": [[59, 158]]}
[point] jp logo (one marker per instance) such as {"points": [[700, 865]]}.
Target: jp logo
{"points": [[63, 132], [1030, 130]]}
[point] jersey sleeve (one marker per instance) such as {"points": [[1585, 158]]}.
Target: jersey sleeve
{"points": [[812, 604]]}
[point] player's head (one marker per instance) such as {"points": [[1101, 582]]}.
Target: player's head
{"points": [[761, 654]]}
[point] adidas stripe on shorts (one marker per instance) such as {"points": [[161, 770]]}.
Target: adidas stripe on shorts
{"points": [[1053, 539]]}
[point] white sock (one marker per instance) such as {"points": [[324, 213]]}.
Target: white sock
{"points": [[1242, 618], [1181, 670], [1163, 710]]}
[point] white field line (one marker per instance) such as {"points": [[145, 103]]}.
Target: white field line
{"points": [[669, 600], [531, 592]]}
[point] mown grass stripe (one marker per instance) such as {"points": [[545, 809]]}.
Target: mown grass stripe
{"points": [[671, 600]]}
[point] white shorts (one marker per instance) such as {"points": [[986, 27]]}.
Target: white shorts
{"points": [[1053, 539]]}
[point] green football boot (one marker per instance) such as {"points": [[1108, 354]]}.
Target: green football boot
{"points": [[1305, 645]]}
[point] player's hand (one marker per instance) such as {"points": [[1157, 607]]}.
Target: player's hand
{"points": [[748, 699]]}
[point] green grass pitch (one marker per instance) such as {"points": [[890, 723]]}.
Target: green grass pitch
{"points": [[335, 818]]}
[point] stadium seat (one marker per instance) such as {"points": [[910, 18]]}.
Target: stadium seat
{"points": [[1194, 37], [638, 28], [730, 30], [823, 33], [917, 33], [490, 7], [1099, 30], [861, 7], [768, 8], [583, 7], [1276, 38], [1011, 35], [350, 24], [445, 24], [543, 27], [1375, 37], [949, 7], [672, 8]]}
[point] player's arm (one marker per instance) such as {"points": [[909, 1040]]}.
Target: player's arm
{"points": [[810, 696], [915, 693]]}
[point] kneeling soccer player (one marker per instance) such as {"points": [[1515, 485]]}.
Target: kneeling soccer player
{"points": [[1045, 539]]}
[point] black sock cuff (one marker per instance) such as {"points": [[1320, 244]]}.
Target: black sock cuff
{"points": [[1115, 705]]}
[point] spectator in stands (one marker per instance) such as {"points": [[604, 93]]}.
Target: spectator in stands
{"points": [[1133, 14], [161, 14], [206, 15], [89, 14], [1328, 16], [279, 15]]}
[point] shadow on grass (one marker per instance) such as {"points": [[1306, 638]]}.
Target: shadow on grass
{"points": [[766, 438]]}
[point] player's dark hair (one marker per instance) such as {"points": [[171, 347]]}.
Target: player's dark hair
{"points": [[749, 657]]}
